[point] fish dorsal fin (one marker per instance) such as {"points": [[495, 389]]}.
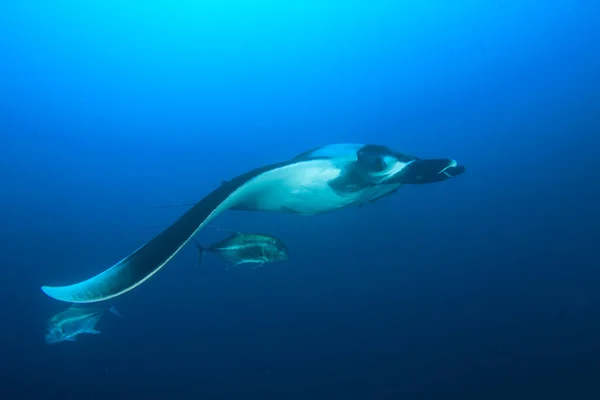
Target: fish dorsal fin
{"points": [[232, 234]]}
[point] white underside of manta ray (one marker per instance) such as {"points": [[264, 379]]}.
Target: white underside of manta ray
{"points": [[317, 181]]}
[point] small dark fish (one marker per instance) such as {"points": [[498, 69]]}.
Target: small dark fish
{"points": [[73, 321], [246, 248]]}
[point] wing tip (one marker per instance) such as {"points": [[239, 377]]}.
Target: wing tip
{"points": [[59, 293], [53, 292]]}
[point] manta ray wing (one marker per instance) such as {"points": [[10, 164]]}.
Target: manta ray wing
{"points": [[152, 256]]}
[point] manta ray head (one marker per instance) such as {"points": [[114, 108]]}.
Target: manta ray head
{"points": [[381, 165]]}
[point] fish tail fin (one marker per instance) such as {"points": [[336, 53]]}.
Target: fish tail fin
{"points": [[201, 251], [113, 310]]}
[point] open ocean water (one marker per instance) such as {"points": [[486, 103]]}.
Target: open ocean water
{"points": [[485, 286]]}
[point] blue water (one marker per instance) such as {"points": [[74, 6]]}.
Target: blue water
{"points": [[482, 287]]}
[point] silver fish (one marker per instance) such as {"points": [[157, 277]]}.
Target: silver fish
{"points": [[246, 248], [73, 321]]}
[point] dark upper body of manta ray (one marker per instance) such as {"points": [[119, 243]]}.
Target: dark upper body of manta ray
{"points": [[314, 182]]}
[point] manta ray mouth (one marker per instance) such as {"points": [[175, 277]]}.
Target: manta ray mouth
{"points": [[147, 260]]}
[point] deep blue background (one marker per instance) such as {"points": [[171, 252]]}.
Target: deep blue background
{"points": [[485, 286]]}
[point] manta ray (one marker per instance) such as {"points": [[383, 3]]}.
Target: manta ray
{"points": [[317, 181]]}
